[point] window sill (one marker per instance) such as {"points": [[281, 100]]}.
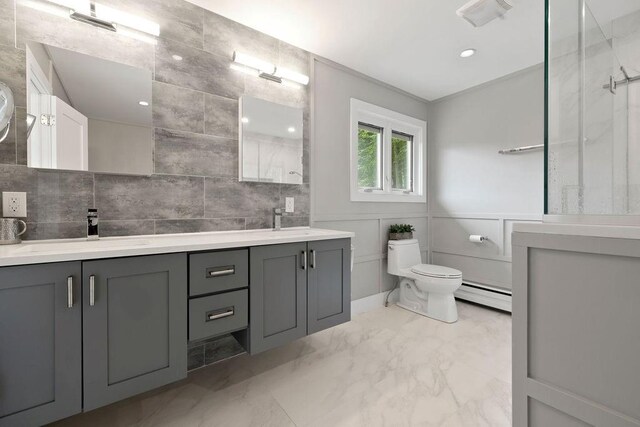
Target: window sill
{"points": [[362, 196]]}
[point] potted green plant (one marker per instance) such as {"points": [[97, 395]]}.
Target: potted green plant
{"points": [[401, 231]]}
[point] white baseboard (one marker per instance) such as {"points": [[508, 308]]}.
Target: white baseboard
{"points": [[484, 297], [372, 302], [479, 296]]}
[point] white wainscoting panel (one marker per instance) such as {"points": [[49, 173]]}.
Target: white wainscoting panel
{"points": [[487, 263]]}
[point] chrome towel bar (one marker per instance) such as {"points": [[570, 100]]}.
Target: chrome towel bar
{"points": [[522, 149]]}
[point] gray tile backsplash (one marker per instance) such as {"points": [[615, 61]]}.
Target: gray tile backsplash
{"points": [[226, 197], [12, 73], [7, 22], [39, 26], [223, 36], [198, 70], [221, 116], [185, 153], [153, 197], [195, 111], [179, 20], [63, 196], [178, 108]]}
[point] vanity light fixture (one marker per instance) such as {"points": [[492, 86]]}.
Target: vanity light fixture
{"points": [[101, 16], [467, 53], [144, 103], [258, 67], [253, 62], [292, 76]]}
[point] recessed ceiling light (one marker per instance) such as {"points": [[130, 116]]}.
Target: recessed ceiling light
{"points": [[177, 57], [144, 103], [291, 129], [467, 53], [245, 120]]}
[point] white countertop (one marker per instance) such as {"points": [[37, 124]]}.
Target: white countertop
{"points": [[611, 231], [43, 251]]}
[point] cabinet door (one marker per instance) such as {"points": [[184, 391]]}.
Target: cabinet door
{"points": [[278, 295], [135, 326], [40, 343], [329, 286]]}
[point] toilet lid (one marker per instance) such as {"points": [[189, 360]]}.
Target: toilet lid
{"points": [[437, 271]]}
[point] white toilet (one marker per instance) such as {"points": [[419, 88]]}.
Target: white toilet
{"points": [[424, 288]]}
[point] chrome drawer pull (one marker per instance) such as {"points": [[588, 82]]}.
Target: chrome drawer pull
{"points": [[220, 315], [70, 292], [227, 271], [313, 258], [304, 260]]}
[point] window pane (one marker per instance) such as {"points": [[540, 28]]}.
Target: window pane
{"points": [[401, 161], [369, 156]]}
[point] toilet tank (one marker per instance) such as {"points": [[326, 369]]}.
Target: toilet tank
{"points": [[402, 254]]}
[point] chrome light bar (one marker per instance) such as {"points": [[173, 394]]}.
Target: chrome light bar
{"points": [[258, 67], [92, 19]]}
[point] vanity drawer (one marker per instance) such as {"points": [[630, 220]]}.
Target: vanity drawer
{"points": [[218, 271], [218, 314]]}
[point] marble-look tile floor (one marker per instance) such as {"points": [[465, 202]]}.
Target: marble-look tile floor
{"points": [[385, 367]]}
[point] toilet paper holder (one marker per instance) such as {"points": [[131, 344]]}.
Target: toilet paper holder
{"points": [[477, 238]]}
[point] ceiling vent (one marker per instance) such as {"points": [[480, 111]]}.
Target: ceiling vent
{"points": [[480, 12]]}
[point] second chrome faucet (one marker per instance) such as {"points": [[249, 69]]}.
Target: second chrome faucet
{"points": [[277, 219]]}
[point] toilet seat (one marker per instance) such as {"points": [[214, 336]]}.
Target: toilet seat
{"points": [[436, 271]]}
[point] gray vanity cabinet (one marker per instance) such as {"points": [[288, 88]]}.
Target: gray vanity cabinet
{"points": [[40, 343], [135, 326], [296, 289], [329, 284], [278, 296]]}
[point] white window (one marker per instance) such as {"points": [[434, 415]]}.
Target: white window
{"points": [[388, 155]]}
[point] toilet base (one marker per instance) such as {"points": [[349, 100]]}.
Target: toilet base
{"points": [[433, 305]]}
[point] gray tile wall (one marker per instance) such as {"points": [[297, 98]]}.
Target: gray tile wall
{"points": [[195, 102]]}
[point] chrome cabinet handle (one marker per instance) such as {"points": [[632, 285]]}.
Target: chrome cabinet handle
{"points": [[304, 260], [313, 258], [218, 273], [92, 290], [70, 292], [230, 311]]}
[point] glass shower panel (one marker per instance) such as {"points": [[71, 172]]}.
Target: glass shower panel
{"points": [[587, 144], [563, 107], [597, 119]]}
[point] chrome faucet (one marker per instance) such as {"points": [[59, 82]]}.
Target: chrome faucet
{"points": [[277, 219], [92, 224]]}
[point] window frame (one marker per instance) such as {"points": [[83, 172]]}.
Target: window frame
{"points": [[389, 121]]}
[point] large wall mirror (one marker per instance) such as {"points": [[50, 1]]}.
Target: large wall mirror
{"points": [[89, 114], [271, 142]]}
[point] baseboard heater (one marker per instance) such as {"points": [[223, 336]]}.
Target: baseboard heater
{"points": [[486, 295]]}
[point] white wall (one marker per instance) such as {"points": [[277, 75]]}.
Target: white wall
{"points": [[333, 88], [44, 62], [120, 148], [475, 190]]}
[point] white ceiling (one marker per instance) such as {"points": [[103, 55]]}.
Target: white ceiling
{"points": [[413, 45]]}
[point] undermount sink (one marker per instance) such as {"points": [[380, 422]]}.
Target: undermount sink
{"points": [[284, 233], [80, 246]]}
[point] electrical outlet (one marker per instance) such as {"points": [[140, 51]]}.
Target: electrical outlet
{"points": [[288, 205], [14, 205]]}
